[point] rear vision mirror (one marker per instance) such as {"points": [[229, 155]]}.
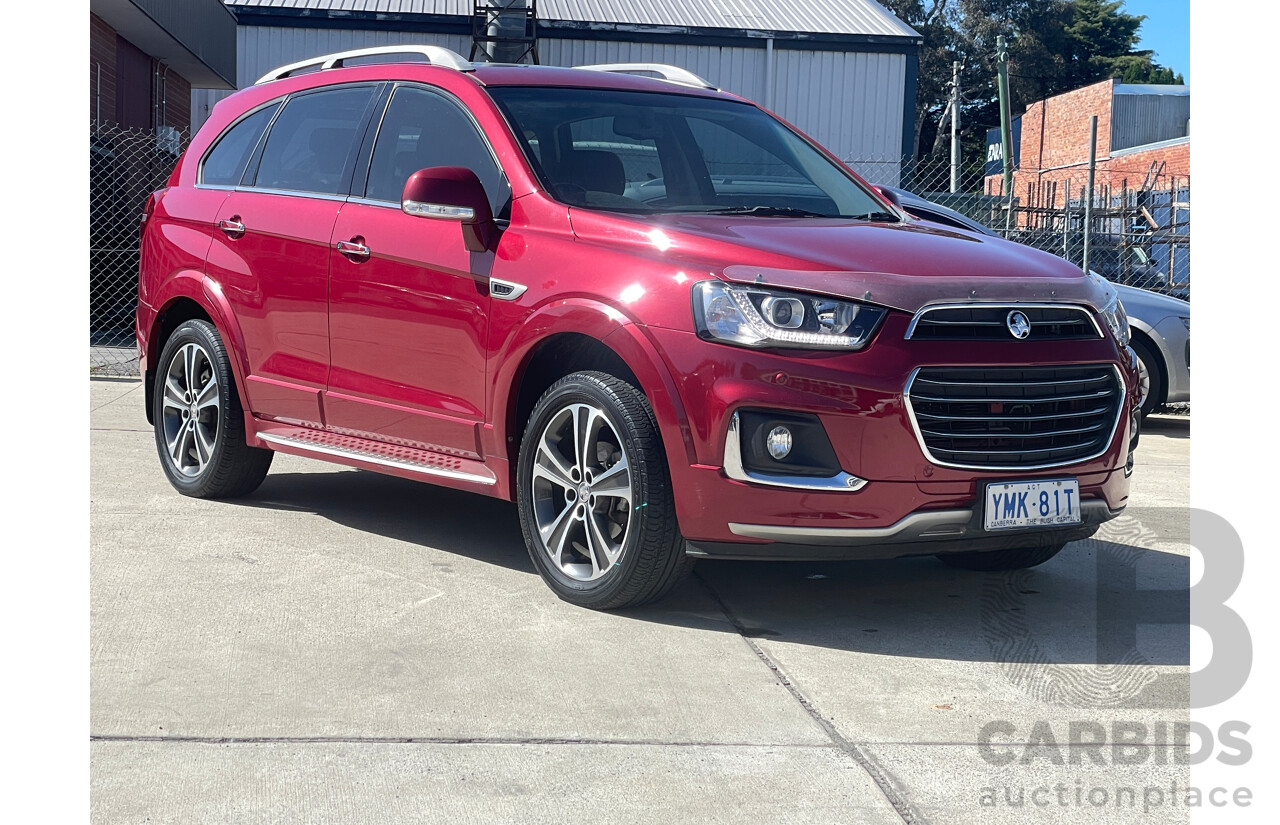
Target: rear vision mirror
{"points": [[452, 193]]}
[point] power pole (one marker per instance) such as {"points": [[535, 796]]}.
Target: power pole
{"points": [[1006, 127], [955, 126]]}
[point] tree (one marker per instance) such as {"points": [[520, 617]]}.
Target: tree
{"points": [[1054, 46], [934, 21]]}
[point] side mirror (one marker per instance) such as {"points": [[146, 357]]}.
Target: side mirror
{"points": [[452, 193], [889, 195]]}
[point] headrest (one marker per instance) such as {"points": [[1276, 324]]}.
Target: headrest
{"points": [[595, 170]]}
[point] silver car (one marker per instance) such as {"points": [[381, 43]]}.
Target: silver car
{"points": [[1161, 325]]}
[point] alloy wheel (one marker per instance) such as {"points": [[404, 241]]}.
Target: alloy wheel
{"points": [[191, 410], [581, 492]]}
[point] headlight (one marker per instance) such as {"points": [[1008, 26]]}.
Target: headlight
{"points": [[1186, 322], [753, 316], [1113, 312]]}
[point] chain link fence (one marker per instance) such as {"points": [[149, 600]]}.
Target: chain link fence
{"points": [[125, 166], [1139, 232]]}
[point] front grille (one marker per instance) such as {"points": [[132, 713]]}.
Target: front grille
{"points": [[1020, 418], [977, 322]]}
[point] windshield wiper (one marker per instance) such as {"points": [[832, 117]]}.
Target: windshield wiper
{"points": [[877, 216], [768, 211]]}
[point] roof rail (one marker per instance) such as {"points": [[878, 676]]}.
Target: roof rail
{"points": [[672, 74], [435, 55]]}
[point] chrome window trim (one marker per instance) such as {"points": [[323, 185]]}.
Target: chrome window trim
{"points": [[288, 193], [292, 193], [372, 202], [924, 448], [733, 468], [1010, 305]]}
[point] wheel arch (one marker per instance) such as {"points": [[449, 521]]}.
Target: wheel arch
{"points": [[188, 297], [577, 336], [1137, 333]]}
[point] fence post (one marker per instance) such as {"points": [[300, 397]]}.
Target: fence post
{"points": [[1006, 128], [1088, 204]]}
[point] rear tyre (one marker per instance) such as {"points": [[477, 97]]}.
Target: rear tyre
{"points": [[594, 495], [992, 560], [199, 423]]}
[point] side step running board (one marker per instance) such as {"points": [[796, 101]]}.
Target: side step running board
{"points": [[367, 451]]}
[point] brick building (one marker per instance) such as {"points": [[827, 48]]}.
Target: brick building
{"points": [[145, 57], [1143, 142]]}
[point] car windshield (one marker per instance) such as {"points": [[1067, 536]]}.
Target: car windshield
{"points": [[645, 152]]}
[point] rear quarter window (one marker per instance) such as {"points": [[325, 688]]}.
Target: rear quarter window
{"points": [[224, 164]]}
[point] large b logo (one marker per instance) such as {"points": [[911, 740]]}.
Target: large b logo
{"points": [[1121, 674]]}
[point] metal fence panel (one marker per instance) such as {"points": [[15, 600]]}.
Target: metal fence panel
{"points": [[125, 166]]}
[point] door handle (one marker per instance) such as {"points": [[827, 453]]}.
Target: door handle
{"points": [[233, 227], [354, 249]]}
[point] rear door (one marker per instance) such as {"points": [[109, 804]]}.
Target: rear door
{"points": [[409, 312], [270, 254], [179, 232]]}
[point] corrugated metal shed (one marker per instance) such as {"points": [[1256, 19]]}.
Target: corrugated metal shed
{"points": [[860, 17], [842, 70], [1142, 114]]}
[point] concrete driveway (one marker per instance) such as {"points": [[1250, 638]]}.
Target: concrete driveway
{"points": [[346, 647]]}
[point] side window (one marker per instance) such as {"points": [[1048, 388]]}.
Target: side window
{"points": [[225, 163], [422, 129], [312, 142]]}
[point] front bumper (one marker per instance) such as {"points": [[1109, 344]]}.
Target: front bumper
{"points": [[924, 533], [859, 399]]}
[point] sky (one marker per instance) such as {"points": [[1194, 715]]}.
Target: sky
{"points": [[1166, 31]]}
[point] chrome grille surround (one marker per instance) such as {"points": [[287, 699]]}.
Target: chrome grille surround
{"points": [[1098, 401], [976, 321]]}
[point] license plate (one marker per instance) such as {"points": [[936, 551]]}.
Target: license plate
{"points": [[1032, 504]]}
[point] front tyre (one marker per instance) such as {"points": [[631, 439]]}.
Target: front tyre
{"points": [[594, 495], [199, 423]]}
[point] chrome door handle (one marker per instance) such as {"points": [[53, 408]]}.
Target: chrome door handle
{"points": [[233, 227], [354, 249]]}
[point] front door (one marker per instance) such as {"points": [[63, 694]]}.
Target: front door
{"points": [[408, 303]]}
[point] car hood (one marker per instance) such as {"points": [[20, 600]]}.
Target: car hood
{"points": [[900, 265]]}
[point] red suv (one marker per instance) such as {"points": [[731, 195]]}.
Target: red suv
{"points": [[664, 322]]}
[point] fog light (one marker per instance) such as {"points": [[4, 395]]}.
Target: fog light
{"points": [[778, 443]]}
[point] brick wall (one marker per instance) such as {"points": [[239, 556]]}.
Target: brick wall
{"points": [[1055, 151], [102, 64], [177, 101], [1055, 132]]}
